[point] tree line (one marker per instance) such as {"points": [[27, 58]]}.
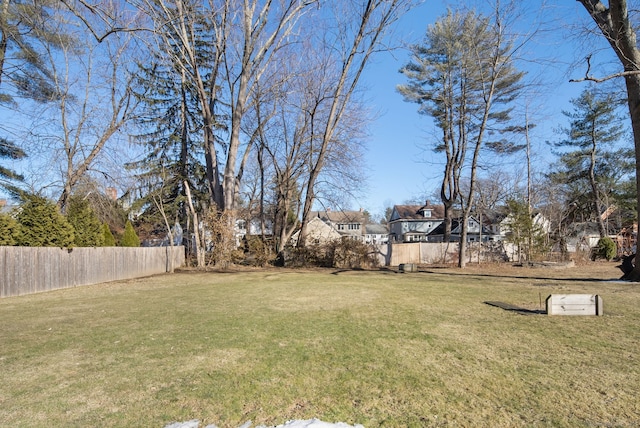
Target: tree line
{"points": [[255, 109]]}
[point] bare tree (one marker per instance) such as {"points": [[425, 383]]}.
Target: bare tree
{"points": [[360, 30], [93, 101]]}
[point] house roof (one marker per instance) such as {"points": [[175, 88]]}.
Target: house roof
{"points": [[455, 224], [415, 212], [376, 229], [341, 216]]}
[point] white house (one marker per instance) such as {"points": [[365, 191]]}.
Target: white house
{"points": [[375, 234]]}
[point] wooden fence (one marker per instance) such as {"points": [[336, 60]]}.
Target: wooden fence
{"points": [[26, 270], [440, 252]]}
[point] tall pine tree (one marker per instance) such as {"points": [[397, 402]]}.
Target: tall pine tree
{"points": [[172, 137], [592, 166]]}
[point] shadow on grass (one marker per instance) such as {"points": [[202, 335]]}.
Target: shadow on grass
{"points": [[516, 309]]}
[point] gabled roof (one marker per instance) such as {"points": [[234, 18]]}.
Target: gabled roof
{"points": [[338, 217], [455, 225], [416, 212]]}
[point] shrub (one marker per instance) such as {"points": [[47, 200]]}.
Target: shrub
{"points": [[319, 255], [9, 230], [88, 230], [606, 249], [129, 238], [259, 253], [42, 225], [351, 253], [222, 241], [339, 253], [109, 240]]}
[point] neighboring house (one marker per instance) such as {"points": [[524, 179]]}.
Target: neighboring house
{"points": [[252, 228], [375, 234], [318, 232], [414, 223], [347, 223], [474, 232], [493, 221], [501, 228]]}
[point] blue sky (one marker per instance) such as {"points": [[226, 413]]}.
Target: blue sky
{"points": [[399, 169]]}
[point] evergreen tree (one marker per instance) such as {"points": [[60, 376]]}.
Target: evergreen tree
{"points": [[88, 229], [42, 224], [129, 238], [9, 150], [23, 72], [464, 77], [593, 167], [172, 137], [524, 232], [108, 239], [9, 230]]}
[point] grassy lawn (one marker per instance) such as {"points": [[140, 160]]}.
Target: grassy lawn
{"points": [[375, 348]]}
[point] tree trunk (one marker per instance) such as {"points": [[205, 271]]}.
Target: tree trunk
{"points": [[596, 194], [616, 27], [633, 93]]}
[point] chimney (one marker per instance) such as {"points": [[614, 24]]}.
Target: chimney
{"points": [[3, 203], [112, 193]]}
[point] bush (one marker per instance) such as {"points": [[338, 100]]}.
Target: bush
{"points": [[340, 253], [224, 251], [351, 253], [258, 252], [129, 238], [109, 240], [42, 225], [318, 255], [88, 230], [9, 230], [606, 249]]}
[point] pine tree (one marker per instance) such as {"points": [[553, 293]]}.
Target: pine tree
{"points": [[172, 137], [108, 239], [464, 77], [88, 229], [9, 230], [592, 164], [22, 67], [129, 238], [523, 232], [9, 150], [42, 224]]}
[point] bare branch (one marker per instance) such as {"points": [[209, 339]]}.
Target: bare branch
{"points": [[103, 16], [588, 78]]}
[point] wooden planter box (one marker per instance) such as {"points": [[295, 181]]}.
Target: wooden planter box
{"points": [[574, 304], [408, 267]]}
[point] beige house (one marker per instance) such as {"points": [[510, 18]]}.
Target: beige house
{"points": [[318, 232], [347, 223]]}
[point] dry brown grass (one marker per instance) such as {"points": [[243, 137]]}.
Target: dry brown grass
{"points": [[372, 347]]}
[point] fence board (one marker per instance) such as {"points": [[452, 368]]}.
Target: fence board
{"points": [[26, 270]]}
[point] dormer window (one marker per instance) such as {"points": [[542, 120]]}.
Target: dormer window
{"points": [[426, 213]]}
